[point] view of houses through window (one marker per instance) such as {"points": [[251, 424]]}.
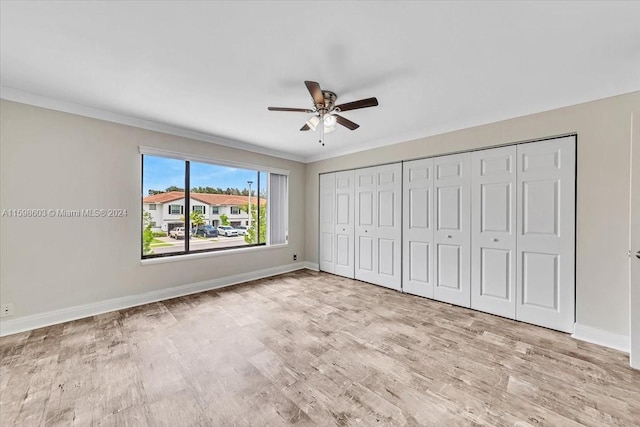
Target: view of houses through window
{"points": [[227, 207]]}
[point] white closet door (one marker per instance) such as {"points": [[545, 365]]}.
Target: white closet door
{"points": [[366, 254], [417, 236], [493, 231], [389, 225], [344, 219], [378, 230], [327, 222], [546, 233], [452, 229]]}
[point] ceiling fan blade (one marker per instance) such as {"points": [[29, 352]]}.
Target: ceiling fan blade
{"points": [[346, 122], [305, 127], [363, 103], [315, 91], [299, 110]]}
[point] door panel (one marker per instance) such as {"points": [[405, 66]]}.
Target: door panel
{"points": [[378, 228], [452, 234], [389, 227], [449, 208], [344, 227], [365, 208], [540, 207], [495, 274], [386, 249], [418, 270], [540, 280], [366, 255], [634, 259], [449, 267], [386, 213], [546, 233], [327, 198], [493, 218], [417, 233]]}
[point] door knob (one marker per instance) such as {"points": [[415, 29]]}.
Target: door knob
{"points": [[638, 254]]}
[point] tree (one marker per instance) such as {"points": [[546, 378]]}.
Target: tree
{"points": [[250, 235], [224, 219], [147, 234], [196, 219]]}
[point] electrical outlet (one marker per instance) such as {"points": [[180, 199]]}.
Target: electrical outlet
{"points": [[6, 310], [295, 257]]}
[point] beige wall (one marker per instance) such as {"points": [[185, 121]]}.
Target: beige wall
{"points": [[57, 160], [603, 176], [54, 160]]}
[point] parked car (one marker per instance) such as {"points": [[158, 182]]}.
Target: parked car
{"points": [[242, 230], [227, 230], [207, 231], [178, 233]]}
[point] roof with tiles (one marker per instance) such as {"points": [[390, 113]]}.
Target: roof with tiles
{"points": [[209, 199]]}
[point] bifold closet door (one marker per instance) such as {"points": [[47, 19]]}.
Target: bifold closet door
{"points": [[417, 234], [327, 222], [378, 230], [344, 219], [493, 231], [452, 236], [546, 233]]}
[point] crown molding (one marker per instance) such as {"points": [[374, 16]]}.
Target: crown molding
{"points": [[17, 95]]}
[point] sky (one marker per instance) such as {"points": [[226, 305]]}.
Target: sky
{"points": [[160, 173]]}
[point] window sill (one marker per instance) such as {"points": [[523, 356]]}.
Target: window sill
{"points": [[198, 255]]}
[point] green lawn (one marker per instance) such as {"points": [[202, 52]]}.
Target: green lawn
{"points": [[156, 243]]}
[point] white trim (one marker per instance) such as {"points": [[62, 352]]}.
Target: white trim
{"points": [[311, 265], [27, 323], [16, 95], [600, 337], [153, 151], [198, 255]]}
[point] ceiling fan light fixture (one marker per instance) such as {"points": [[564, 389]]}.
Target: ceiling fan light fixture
{"points": [[313, 122], [329, 121]]}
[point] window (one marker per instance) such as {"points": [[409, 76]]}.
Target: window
{"points": [[152, 207], [186, 184]]}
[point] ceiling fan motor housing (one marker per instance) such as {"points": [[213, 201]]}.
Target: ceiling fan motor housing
{"points": [[329, 101]]}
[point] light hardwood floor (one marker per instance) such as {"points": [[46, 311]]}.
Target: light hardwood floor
{"points": [[310, 348]]}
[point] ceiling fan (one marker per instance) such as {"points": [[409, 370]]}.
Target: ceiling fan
{"points": [[326, 112]]}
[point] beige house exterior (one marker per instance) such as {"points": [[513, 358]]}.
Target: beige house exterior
{"points": [[167, 209]]}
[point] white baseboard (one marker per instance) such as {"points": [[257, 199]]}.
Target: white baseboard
{"points": [[28, 323], [600, 337], [311, 266]]}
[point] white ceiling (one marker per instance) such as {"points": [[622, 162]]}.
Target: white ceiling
{"points": [[214, 67]]}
